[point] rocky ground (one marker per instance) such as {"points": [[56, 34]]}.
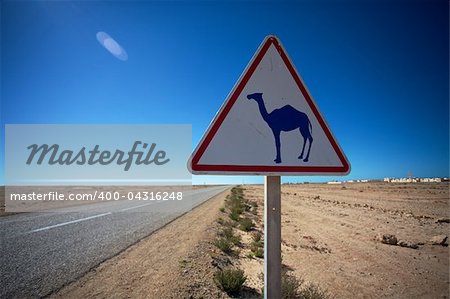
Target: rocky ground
{"points": [[331, 236]]}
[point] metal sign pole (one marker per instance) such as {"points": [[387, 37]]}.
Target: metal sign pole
{"points": [[272, 237]]}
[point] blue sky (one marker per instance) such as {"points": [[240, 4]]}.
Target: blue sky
{"points": [[378, 70]]}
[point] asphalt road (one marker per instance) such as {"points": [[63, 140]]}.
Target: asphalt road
{"points": [[41, 252]]}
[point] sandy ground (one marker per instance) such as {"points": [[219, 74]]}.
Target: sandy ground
{"points": [[327, 238]]}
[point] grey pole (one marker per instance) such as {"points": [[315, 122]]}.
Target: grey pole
{"points": [[272, 237]]}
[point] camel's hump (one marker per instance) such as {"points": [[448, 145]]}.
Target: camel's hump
{"points": [[288, 108]]}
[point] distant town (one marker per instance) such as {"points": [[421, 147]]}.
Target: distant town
{"points": [[395, 180]]}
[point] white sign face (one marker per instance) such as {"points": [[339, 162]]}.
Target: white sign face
{"points": [[269, 125]]}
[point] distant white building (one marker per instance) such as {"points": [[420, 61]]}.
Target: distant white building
{"points": [[405, 180], [431, 180], [334, 183], [412, 180]]}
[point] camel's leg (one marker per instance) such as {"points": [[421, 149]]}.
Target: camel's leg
{"points": [[309, 148], [304, 143], [278, 145]]}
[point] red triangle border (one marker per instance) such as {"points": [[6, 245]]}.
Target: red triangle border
{"points": [[251, 169]]}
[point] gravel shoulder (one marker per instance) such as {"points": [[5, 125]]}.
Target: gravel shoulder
{"points": [[153, 267]]}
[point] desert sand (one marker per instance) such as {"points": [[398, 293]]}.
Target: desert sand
{"points": [[328, 238]]}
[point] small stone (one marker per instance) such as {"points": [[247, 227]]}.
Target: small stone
{"points": [[386, 239], [407, 244], [443, 220], [438, 240]]}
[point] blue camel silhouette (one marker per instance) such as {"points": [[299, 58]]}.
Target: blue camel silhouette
{"points": [[285, 119]]}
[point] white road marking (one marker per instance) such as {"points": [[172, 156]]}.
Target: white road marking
{"points": [[135, 207], [69, 222]]}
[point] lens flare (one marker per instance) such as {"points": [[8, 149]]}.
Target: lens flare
{"points": [[112, 46]]}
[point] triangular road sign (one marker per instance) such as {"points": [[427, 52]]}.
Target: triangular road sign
{"points": [[269, 125]]}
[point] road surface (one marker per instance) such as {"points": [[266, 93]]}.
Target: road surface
{"points": [[41, 252]]}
